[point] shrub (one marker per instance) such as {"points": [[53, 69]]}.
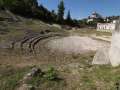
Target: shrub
{"points": [[50, 74]]}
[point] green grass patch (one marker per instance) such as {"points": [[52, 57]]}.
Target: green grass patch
{"points": [[10, 77], [46, 79]]}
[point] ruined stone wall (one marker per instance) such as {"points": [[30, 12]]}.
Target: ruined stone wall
{"points": [[105, 27], [111, 54], [114, 51]]}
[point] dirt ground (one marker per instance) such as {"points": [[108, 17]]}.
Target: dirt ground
{"points": [[75, 44]]}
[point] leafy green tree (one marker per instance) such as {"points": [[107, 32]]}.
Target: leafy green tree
{"points": [[75, 23], [1, 4], [54, 16], [22, 7], [44, 14], [31, 9], [6, 3], [61, 9]]}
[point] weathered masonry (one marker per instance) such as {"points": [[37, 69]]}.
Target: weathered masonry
{"points": [[111, 53], [105, 27]]}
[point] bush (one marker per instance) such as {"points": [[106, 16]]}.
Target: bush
{"points": [[50, 74]]}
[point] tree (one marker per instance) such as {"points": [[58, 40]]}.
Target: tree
{"points": [[61, 9], [1, 4], [69, 19], [31, 9], [54, 15], [6, 3], [45, 14], [69, 16], [21, 7]]}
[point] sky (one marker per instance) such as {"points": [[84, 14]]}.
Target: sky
{"points": [[83, 8]]}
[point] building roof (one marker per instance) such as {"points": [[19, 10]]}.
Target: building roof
{"points": [[95, 15]]}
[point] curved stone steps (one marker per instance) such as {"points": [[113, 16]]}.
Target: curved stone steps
{"points": [[34, 43], [17, 44], [35, 40], [25, 41], [26, 45], [41, 46]]}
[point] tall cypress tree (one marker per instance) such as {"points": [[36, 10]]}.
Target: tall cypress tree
{"points": [[69, 17], [69, 20], [61, 9]]}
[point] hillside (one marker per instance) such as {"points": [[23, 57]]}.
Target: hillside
{"points": [[14, 27]]}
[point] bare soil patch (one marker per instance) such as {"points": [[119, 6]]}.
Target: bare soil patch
{"points": [[75, 44]]}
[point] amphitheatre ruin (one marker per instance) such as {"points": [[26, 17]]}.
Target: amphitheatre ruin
{"points": [[41, 49]]}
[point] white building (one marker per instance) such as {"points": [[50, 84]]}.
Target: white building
{"points": [[106, 27], [94, 16]]}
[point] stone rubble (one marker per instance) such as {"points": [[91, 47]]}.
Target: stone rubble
{"points": [[34, 72]]}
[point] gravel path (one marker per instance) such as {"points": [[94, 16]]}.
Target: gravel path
{"points": [[75, 44]]}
